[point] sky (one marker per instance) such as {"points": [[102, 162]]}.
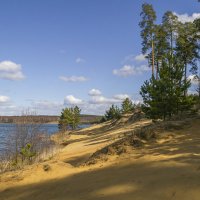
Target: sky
{"points": [[59, 53]]}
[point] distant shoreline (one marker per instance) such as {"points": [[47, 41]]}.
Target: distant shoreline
{"points": [[84, 119], [53, 123]]}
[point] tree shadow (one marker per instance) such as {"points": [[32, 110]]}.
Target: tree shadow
{"points": [[77, 160], [145, 180], [185, 148]]}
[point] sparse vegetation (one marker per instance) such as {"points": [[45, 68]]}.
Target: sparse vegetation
{"points": [[27, 142], [46, 167]]}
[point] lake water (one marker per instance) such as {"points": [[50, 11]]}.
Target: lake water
{"points": [[5, 129]]}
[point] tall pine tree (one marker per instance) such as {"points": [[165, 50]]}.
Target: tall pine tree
{"points": [[174, 49], [147, 25]]}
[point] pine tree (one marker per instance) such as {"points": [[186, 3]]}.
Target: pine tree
{"points": [[163, 97], [176, 46], [70, 117], [161, 47], [147, 25], [76, 120], [197, 25], [127, 106], [63, 122], [112, 113], [170, 26], [187, 48]]}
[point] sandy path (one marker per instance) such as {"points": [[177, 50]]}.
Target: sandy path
{"points": [[168, 169]]}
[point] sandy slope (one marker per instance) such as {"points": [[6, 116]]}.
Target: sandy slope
{"points": [[167, 169]]}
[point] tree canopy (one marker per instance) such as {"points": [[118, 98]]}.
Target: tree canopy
{"points": [[69, 118], [175, 53], [115, 112]]}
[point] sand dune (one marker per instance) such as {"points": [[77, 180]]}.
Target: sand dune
{"points": [[168, 168]]}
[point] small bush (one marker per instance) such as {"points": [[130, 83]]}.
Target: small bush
{"points": [[46, 167]]}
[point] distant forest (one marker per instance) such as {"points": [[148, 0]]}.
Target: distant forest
{"points": [[48, 119]]}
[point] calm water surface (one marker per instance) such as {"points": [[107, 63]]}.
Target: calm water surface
{"points": [[5, 129]]}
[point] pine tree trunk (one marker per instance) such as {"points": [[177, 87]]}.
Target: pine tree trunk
{"points": [[152, 44], [157, 69], [171, 52], [185, 79]]}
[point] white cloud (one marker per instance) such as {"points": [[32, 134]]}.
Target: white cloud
{"points": [[128, 70], [4, 99], [131, 58], [117, 100], [11, 71], [70, 99], [54, 108], [189, 92], [97, 105], [140, 58], [7, 107], [103, 100], [80, 60], [121, 96], [186, 18], [73, 78], [94, 92], [193, 79]]}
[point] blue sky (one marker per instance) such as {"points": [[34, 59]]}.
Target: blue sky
{"points": [[57, 53]]}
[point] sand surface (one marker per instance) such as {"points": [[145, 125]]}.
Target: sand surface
{"points": [[166, 169]]}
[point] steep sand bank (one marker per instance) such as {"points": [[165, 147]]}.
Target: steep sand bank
{"points": [[166, 169]]}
